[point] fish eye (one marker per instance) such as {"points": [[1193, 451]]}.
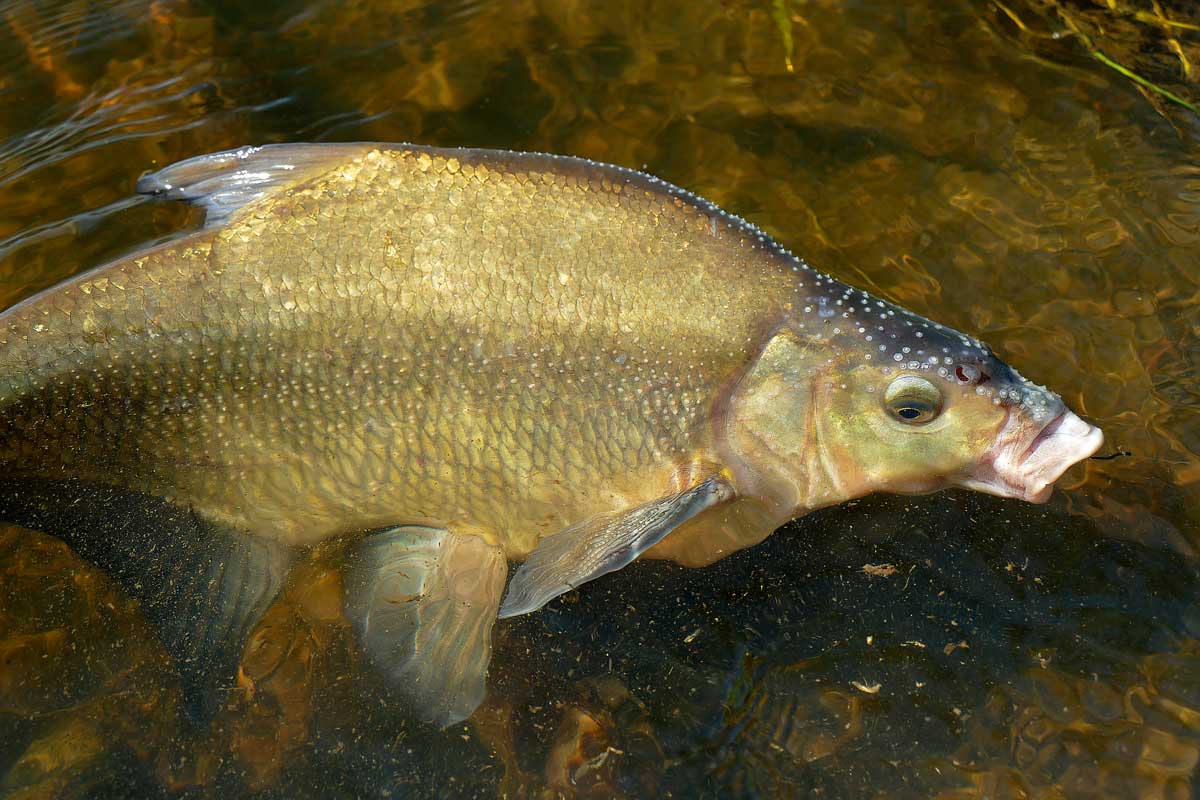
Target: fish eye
{"points": [[913, 400]]}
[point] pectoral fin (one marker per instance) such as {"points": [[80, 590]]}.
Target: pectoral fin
{"points": [[423, 601], [603, 544]]}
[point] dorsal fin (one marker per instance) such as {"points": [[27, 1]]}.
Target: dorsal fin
{"points": [[230, 180]]}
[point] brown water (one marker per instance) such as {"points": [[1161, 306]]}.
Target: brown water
{"points": [[978, 162]]}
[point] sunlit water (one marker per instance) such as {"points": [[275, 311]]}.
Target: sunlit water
{"points": [[951, 645]]}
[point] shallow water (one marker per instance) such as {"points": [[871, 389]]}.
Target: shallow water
{"points": [[975, 162]]}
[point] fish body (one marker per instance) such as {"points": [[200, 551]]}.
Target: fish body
{"points": [[508, 342], [497, 357]]}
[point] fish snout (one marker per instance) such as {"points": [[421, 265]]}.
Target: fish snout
{"points": [[1025, 463]]}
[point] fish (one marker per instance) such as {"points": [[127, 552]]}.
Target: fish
{"points": [[466, 363]]}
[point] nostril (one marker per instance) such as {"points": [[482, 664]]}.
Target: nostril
{"points": [[969, 374]]}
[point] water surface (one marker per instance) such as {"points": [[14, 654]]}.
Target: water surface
{"points": [[980, 163]]}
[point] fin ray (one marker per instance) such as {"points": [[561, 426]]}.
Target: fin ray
{"points": [[201, 585], [223, 183], [603, 544], [423, 602]]}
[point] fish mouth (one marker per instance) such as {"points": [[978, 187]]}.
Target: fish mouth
{"points": [[1013, 468]]}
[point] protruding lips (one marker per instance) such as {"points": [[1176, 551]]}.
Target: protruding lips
{"points": [[1027, 469]]}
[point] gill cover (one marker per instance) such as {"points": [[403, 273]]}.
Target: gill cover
{"points": [[768, 436]]}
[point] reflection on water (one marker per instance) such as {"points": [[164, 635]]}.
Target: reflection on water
{"points": [[976, 162]]}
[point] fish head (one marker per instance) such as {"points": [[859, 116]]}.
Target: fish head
{"points": [[876, 398], [939, 409]]}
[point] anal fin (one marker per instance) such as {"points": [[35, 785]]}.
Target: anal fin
{"points": [[201, 585], [603, 544], [423, 601]]}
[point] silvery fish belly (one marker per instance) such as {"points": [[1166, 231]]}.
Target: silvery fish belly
{"points": [[462, 358]]}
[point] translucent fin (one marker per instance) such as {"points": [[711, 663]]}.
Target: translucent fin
{"points": [[224, 182], [423, 601], [603, 544], [203, 586]]}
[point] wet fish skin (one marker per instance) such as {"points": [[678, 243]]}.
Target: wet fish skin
{"points": [[373, 347], [496, 345]]}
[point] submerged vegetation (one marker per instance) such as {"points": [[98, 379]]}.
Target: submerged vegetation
{"points": [[1155, 44]]}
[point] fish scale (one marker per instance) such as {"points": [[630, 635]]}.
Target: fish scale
{"points": [[493, 356], [379, 306]]}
